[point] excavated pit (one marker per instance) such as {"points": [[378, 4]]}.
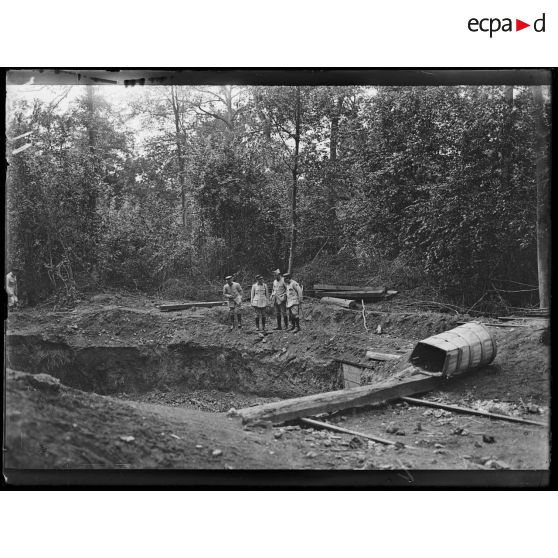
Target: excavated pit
{"points": [[140, 353], [139, 369]]}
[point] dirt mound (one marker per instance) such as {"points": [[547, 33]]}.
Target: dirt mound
{"points": [[395, 324], [520, 372], [83, 430]]}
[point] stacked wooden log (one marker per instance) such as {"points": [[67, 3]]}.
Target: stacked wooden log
{"points": [[350, 292], [186, 305]]}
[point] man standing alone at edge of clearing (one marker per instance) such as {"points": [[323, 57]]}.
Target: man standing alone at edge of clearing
{"points": [[259, 299], [279, 299], [232, 291], [294, 301], [11, 288]]}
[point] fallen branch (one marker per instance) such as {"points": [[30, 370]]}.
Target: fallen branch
{"points": [[364, 315], [479, 300], [319, 424], [470, 411], [451, 307], [518, 291]]}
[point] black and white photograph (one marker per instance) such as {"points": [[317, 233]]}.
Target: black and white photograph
{"points": [[282, 271]]}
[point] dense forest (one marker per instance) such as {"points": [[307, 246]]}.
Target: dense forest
{"points": [[167, 189]]}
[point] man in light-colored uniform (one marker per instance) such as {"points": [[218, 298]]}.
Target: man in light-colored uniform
{"points": [[294, 301], [232, 291], [259, 299], [279, 299], [11, 289]]}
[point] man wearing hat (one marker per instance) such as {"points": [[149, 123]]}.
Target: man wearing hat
{"points": [[232, 291], [294, 301], [279, 299], [259, 299]]}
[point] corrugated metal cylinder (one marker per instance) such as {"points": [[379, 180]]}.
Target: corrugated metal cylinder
{"points": [[455, 351]]}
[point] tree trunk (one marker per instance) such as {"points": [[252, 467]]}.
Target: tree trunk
{"points": [[506, 139], [294, 216], [91, 137], [334, 131], [543, 200], [332, 186], [229, 114], [179, 153]]}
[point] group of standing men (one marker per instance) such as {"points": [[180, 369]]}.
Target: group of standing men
{"points": [[286, 297]]}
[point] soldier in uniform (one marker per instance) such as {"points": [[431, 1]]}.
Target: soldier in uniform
{"points": [[259, 299], [11, 288], [279, 299], [232, 291], [294, 301]]}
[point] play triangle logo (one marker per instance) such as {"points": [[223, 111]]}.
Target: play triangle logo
{"points": [[519, 25]]}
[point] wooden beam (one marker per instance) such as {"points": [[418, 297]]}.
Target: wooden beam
{"points": [[320, 424], [310, 405], [22, 148], [470, 411], [373, 355], [495, 325], [534, 317], [352, 304], [356, 295], [22, 135], [184, 306], [324, 287]]}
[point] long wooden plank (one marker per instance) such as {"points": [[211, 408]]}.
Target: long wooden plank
{"points": [[354, 295], [310, 405], [512, 318], [325, 287], [373, 355], [22, 135], [185, 305], [468, 411], [320, 424], [22, 148], [496, 325]]}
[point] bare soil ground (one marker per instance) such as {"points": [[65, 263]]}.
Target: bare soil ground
{"points": [[141, 389]]}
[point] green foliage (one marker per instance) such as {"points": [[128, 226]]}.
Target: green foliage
{"points": [[407, 186]]}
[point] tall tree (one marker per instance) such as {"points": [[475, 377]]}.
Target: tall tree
{"points": [[177, 111], [295, 171], [506, 140], [543, 199]]}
